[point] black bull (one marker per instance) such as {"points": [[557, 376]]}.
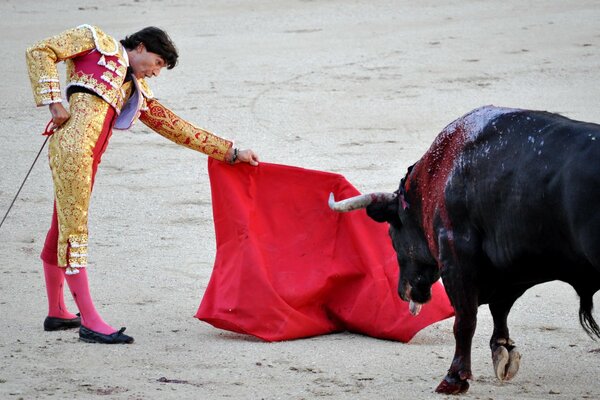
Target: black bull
{"points": [[503, 200]]}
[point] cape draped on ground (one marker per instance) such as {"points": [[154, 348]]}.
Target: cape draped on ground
{"points": [[288, 267]]}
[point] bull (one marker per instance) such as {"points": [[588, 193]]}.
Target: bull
{"points": [[503, 200]]}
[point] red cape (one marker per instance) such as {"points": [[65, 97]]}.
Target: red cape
{"points": [[288, 267]]}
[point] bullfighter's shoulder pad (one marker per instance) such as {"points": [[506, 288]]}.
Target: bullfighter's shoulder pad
{"points": [[105, 44]]}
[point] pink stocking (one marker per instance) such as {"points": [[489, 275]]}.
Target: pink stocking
{"points": [[55, 278], [90, 318]]}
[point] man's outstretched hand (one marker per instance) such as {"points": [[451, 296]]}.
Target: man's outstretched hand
{"points": [[248, 156]]}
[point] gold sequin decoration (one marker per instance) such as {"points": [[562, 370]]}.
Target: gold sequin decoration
{"points": [[146, 91], [126, 90], [104, 43], [43, 56], [71, 158], [109, 93]]}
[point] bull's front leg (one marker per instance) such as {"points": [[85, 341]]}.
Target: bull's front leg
{"points": [[460, 282], [465, 322]]}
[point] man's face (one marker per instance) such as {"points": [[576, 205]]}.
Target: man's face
{"points": [[144, 63]]}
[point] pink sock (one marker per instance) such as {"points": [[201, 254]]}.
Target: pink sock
{"points": [[90, 318], [55, 278]]}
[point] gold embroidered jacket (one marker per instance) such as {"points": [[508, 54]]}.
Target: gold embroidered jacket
{"points": [[97, 61]]}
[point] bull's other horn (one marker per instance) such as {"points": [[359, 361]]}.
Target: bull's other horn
{"points": [[360, 201]]}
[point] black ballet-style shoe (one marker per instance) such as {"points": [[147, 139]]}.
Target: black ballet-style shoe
{"points": [[60, 324], [88, 335]]}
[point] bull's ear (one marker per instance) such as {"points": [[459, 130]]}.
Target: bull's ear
{"points": [[385, 212]]}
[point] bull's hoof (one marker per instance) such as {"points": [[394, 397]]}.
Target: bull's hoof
{"points": [[452, 386], [514, 362], [506, 364], [500, 359]]}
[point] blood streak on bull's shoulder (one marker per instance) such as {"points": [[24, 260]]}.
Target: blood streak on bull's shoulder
{"points": [[434, 170]]}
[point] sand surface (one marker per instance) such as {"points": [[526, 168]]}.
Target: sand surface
{"points": [[357, 88]]}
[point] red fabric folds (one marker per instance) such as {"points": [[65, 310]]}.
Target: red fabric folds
{"points": [[288, 267]]}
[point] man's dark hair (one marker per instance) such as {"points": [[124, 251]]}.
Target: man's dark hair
{"points": [[156, 41]]}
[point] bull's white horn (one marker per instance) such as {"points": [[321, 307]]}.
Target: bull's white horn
{"points": [[360, 201]]}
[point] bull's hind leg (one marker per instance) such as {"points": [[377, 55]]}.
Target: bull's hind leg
{"points": [[505, 357]]}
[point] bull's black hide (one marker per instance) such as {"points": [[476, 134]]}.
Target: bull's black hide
{"points": [[503, 200]]}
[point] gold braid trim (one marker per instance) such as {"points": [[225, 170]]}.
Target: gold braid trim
{"points": [[163, 121]]}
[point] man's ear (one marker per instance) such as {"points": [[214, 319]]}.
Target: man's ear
{"points": [[385, 212]]}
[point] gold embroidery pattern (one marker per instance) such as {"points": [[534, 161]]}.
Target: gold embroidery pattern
{"points": [[71, 160], [126, 90], [104, 43], [162, 120], [146, 91], [42, 58], [120, 69], [112, 79], [111, 94]]}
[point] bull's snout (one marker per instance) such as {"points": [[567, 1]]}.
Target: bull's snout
{"points": [[416, 295]]}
